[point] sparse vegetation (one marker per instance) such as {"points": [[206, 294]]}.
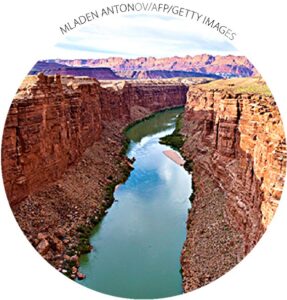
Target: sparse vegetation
{"points": [[84, 235], [176, 139], [251, 85], [85, 231], [110, 191], [188, 166], [125, 143]]}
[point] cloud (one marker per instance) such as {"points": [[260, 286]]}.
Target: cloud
{"points": [[142, 35], [77, 47]]}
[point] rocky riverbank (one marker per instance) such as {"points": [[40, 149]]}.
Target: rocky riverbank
{"points": [[63, 155], [58, 219], [234, 137]]}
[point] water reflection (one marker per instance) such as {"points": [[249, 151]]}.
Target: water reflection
{"points": [[137, 245]]}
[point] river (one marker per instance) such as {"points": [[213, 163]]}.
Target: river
{"points": [[137, 245]]}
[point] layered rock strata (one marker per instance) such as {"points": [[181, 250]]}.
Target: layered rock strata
{"points": [[105, 73], [62, 148], [229, 65], [54, 119], [62, 153], [52, 68], [237, 147]]}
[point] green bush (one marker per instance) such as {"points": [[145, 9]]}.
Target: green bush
{"points": [[176, 139]]}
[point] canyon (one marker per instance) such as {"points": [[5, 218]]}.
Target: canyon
{"points": [[52, 68], [54, 119], [204, 65], [63, 146], [62, 154], [235, 141]]}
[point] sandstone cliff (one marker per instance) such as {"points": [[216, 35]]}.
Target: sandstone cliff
{"points": [[52, 68], [236, 143], [229, 65], [62, 148], [53, 119], [62, 155], [158, 74]]}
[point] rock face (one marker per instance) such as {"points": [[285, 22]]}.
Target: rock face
{"points": [[52, 68], [158, 74], [54, 119], [237, 147], [105, 73], [48, 127], [226, 66], [62, 154], [62, 157]]}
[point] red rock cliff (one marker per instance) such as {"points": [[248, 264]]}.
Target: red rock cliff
{"points": [[204, 63], [54, 119], [61, 149], [237, 145]]}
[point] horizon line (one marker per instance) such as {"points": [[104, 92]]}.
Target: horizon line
{"points": [[156, 57]]}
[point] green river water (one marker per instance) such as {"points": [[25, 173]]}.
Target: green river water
{"points": [[137, 245]]}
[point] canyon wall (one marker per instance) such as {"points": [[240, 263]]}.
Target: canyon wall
{"points": [[158, 74], [105, 73], [52, 68], [62, 144], [204, 65], [229, 65], [54, 119], [236, 143]]}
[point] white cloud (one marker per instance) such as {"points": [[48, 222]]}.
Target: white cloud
{"points": [[141, 35]]}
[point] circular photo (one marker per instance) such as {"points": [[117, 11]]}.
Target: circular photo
{"points": [[146, 157]]}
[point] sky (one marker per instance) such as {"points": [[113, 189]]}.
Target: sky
{"points": [[136, 35]]}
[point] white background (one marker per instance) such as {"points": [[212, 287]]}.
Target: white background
{"points": [[28, 30]]}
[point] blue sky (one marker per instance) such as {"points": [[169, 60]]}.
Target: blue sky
{"points": [[142, 35]]}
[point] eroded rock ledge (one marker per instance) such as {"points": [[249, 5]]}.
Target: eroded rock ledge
{"points": [[54, 119], [62, 154], [62, 148], [236, 143]]}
